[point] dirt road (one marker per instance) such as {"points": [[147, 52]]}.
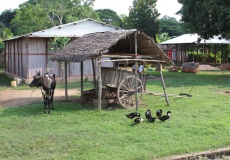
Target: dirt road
{"points": [[14, 98]]}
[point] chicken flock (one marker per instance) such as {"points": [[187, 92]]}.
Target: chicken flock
{"points": [[148, 116]]}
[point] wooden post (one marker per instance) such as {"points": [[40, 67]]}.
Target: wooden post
{"points": [[215, 53], [99, 83], [163, 83], [176, 53], [227, 52], [82, 73], [66, 93], [203, 53], [208, 53], [94, 75], [136, 71], [182, 54], [197, 51], [221, 54], [193, 58]]}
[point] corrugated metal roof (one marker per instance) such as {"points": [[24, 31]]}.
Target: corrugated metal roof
{"points": [[215, 40], [192, 38], [185, 38], [74, 29]]}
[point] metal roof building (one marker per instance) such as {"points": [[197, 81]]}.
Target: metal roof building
{"points": [[178, 48], [192, 38], [29, 53]]}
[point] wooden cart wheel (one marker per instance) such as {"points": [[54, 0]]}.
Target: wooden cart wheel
{"points": [[126, 92]]}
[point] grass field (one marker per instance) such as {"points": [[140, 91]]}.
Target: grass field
{"points": [[75, 131]]}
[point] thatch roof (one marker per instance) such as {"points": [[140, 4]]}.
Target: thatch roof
{"points": [[110, 43]]}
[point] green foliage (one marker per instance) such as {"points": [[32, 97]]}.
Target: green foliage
{"points": [[124, 20], [2, 27], [163, 37], [82, 12], [108, 16], [30, 18], [4, 81], [6, 17], [7, 33], [171, 26], [60, 12], [207, 18], [76, 131], [59, 42], [36, 15], [2, 46], [143, 15]]}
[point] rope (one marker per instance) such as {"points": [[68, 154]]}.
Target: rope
{"points": [[31, 94]]}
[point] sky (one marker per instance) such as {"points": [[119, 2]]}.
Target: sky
{"points": [[165, 7]]}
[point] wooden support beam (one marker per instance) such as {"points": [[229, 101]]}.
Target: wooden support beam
{"points": [[143, 60], [163, 83], [65, 73], [94, 75], [136, 98], [125, 55], [163, 95], [99, 84], [82, 85]]}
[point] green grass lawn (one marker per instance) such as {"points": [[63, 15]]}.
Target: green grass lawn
{"points": [[75, 131]]}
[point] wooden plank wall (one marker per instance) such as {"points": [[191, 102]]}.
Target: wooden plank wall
{"points": [[24, 57]]}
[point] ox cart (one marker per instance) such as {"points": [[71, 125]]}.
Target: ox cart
{"points": [[120, 85]]}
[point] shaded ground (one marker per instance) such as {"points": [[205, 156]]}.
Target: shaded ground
{"points": [[13, 98]]}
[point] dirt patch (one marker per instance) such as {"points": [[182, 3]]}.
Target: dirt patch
{"points": [[14, 98], [223, 92], [203, 67]]}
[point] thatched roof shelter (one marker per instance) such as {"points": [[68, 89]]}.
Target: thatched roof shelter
{"points": [[111, 43], [122, 45]]}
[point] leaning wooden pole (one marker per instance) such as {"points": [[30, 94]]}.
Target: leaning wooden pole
{"points": [[163, 83], [99, 83], [136, 71]]}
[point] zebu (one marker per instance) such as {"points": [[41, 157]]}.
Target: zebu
{"points": [[47, 84]]}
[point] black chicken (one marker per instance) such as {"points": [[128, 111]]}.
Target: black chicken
{"points": [[151, 119], [159, 113], [133, 114], [138, 120], [148, 114], [165, 117]]}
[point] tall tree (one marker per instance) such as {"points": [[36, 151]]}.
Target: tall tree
{"points": [[82, 12], [6, 17], [143, 15], [124, 20], [5, 33], [207, 18], [63, 11], [171, 26], [108, 16], [35, 15], [30, 18]]}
